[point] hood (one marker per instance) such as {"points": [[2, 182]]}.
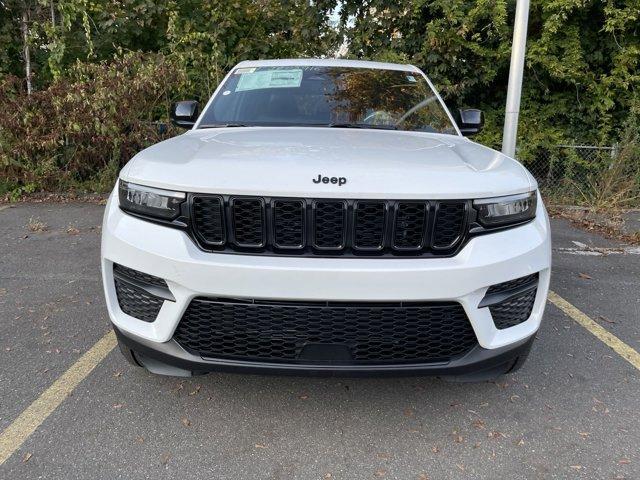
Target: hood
{"points": [[288, 161]]}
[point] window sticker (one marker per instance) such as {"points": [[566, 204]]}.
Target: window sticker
{"points": [[269, 79], [411, 78]]}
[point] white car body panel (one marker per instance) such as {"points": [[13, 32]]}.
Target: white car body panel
{"points": [[282, 161]]}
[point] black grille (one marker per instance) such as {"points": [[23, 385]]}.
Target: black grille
{"points": [[248, 222], [449, 224], [513, 284], [297, 226], [138, 276], [137, 302], [325, 332], [369, 225], [513, 311], [288, 223], [208, 218], [410, 225], [330, 224]]}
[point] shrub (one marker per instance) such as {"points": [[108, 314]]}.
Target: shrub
{"points": [[86, 125]]}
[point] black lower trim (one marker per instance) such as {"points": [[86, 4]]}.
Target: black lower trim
{"points": [[475, 365]]}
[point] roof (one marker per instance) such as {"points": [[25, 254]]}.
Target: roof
{"points": [[327, 62]]}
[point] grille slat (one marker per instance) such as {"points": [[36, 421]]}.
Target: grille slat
{"points": [[369, 225], [288, 223], [328, 227], [449, 224], [248, 222], [409, 226], [367, 332]]}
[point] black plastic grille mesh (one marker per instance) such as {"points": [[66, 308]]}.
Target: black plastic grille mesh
{"points": [[288, 223], [449, 223], [513, 311], [329, 224], [370, 218], [248, 222], [139, 276], [264, 225], [279, 332], [512, 284], [137, 302], [410, 225], [208, 219]]}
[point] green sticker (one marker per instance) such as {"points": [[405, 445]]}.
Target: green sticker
{"points": [[269, 79]]}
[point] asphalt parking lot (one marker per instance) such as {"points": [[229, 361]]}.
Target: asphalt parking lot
{"points": [[571, 412]]}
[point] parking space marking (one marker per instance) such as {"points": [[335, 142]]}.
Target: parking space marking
{"points": [[621, 348], [12, 438]]}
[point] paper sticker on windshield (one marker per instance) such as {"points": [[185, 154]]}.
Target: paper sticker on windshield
{"points": [[411, 78], [269, 79]]}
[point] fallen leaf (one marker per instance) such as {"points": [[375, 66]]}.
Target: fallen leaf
{"points": [[435, 449], [260, 445], [186, 422], [458, 439], [408, 412], [117, 374], [304, 397], [423, 476], [478, 423], [520, 442], [27, 457], [117, 405], [381, 472], [164, 458], [327, 476], [384, 456], [584, 276], [139, 439], [195, 391], [624, 461]]}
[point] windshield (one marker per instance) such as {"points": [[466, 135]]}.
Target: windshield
{"points": [[327, 96]]}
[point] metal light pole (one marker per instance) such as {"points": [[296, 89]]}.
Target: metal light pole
{"points": [[516, 69]]}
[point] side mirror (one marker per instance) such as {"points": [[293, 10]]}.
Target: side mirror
{"points": [[184, 114], [471, 121]]}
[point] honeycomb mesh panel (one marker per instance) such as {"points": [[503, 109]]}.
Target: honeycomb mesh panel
{"points": [[209, 219], [409, 225], [513, 311], [288, 223], [512, 284], [278, 332], [450, 217], [329, 224], [137, 302], [369, 225], [139, 276], [248, 222]]}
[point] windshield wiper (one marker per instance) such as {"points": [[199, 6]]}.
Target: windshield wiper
{"points": [[223, 125], [361, 125]]}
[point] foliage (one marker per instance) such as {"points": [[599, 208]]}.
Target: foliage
{"points": [[582, 71], [86, 124]]}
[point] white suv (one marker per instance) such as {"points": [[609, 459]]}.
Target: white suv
{"points": [[327, 217]]}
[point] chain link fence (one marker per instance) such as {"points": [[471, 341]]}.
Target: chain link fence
{"points": [[572, 174]]}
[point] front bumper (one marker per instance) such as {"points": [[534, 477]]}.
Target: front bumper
{"points": [[189, 272]]}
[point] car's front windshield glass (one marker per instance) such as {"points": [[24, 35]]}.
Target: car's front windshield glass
{"points": [[327, 96]]}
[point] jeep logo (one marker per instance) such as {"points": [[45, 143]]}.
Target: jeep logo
{"points": [[335, 180]]}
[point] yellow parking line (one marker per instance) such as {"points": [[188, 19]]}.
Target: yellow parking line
{"points": [[621, 348], [12, 438]]}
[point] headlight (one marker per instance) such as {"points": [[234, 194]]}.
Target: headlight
{"points": [[150, 202], [501, 211]]}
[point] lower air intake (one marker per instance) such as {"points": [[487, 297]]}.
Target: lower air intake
{"points": [[325, 332]]}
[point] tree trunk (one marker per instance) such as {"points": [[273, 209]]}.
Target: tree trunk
{"points": [[24, 26]]}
